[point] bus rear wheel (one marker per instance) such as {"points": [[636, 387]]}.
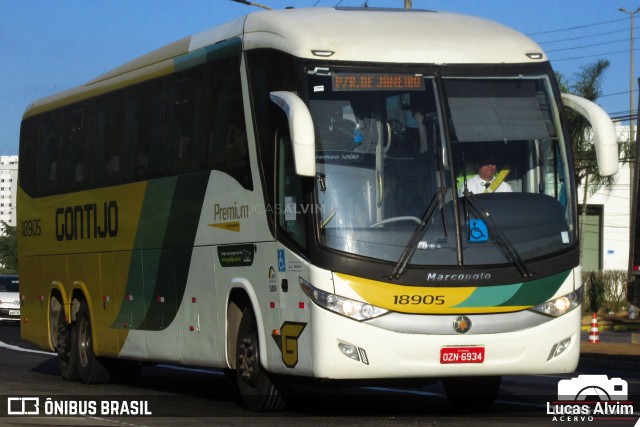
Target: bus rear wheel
{"points": [[258, 390], [471, 394], [90, 369]]}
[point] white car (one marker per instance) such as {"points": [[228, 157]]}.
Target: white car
{"points": [[9, 299]]}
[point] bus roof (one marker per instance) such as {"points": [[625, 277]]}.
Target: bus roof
{"points": [[388, 35], [349, 34]]}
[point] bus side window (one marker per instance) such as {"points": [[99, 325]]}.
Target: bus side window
{"points": [[225, 145], [29, 138], [106, 134], [142, 124], [182, 122], [76, 148], [49, 155]]}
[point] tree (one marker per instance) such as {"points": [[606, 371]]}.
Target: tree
{"points": [[587, 84], [8, 249]]}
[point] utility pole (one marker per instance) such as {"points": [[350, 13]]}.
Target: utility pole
{"points": [[631, 82]]}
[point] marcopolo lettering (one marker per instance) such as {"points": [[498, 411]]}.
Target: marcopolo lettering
{"points": [[457, 277], [89, 221]]}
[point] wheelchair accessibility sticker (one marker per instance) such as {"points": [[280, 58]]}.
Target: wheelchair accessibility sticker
{"points": [[281, 264], [478, 230]]}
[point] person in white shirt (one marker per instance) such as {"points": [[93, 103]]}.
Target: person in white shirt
{"points": [[482, 182]]}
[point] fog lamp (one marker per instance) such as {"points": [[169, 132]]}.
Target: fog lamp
{"points": [[349, 351]]}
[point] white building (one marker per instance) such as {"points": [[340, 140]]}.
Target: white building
{"points": [[8, 188], [606, 231]]}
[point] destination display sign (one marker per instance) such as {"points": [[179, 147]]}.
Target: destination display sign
{"points": [[376, 81]]}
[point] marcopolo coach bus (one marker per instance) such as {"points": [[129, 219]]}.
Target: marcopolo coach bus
{"points": [[292, 195]]}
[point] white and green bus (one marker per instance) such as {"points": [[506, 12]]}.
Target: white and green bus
{"points": [[289, 195]]}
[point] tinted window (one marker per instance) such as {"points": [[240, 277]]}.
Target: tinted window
{"points": [[76, 170], [225, 135], [49, 155], [106, 137], [181, 122], [142, 124], [29, 135]]}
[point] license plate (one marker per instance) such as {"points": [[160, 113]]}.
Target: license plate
{"points": [[14, 312], [473, 354]]}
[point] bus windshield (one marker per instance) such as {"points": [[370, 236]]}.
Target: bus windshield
{"points": [[463, 170]]}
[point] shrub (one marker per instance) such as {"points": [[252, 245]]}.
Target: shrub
{"points": [[604, 291]]}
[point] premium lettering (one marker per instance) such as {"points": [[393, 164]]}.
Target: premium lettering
{"points": [[89, 221], [225, 213]]}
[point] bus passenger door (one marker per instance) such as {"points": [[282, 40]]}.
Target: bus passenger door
{"points": [[292, 336], [291, 216]]}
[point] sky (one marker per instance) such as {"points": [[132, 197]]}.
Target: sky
{"points": [[52, 45]]}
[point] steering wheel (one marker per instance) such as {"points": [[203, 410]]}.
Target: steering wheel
{"points": [[396, 219], [396, 126]]}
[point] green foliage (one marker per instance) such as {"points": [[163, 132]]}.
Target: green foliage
{"points": [[587, 84], [604, 291], [8, 249], [595, 292]]}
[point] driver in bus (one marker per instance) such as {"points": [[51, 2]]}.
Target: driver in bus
{"points": [[486, 181]]}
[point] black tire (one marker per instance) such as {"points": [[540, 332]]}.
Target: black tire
{"points": [[65, 345], [472, 394], [91, 370], [257, 389]]}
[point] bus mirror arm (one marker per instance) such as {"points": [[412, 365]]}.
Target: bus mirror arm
{"points": [[604, 133], [301, 130]]}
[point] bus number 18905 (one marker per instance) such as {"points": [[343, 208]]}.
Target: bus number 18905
{"points": [[418, 299]]}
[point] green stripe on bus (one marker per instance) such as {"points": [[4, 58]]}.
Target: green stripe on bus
{"points": [[175, 255], [537, 291], [155, 213], [162, 253], [490, 296], [517, 294]]}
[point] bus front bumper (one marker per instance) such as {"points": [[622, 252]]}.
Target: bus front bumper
{"points": [[346, 349]]}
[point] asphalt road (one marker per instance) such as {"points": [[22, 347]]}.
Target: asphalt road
{"points": [[179, 396]]}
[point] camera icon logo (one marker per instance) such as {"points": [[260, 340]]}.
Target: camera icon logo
{"points": [[23, 406], [593, 388]]}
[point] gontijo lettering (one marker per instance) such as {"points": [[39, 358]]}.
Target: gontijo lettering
{"points": [[88, 221]]}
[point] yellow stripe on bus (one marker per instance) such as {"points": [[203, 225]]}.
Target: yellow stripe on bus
{"points": [[418, 299]]}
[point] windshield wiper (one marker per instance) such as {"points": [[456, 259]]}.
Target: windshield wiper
{"points": [[499, 238], [417, 234]]}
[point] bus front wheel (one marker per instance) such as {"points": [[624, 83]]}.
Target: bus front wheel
{"points": [[258, 391]]}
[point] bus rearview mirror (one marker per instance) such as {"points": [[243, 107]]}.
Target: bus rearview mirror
{"points": [[604, 133], [301, 130]]}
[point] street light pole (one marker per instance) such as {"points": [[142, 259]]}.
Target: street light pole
{"points": [[631, 83]]}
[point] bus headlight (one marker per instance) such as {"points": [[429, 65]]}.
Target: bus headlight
{"points": [[344, 306], [561, 305]]}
